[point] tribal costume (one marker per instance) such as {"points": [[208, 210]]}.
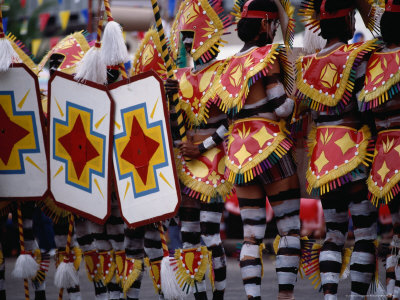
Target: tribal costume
{"points": [[380, 94], [328, 83], [200, 161], [259, 158]]}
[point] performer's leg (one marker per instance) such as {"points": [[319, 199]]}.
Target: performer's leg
{"points": [[189, 214], [284, 197], [27, 210], [86, 231], [134, 248], [391, 262], [60, 237], [210, 221], [252, 210], [115, 235], [363, 259], [335, 205], [152, 243]]}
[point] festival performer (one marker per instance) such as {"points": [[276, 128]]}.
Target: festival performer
{"points": [[259, 160], [379, 94], [328, 83], [63, 57], [200, 159]]}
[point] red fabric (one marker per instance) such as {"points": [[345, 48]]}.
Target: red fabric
{"points": [[43, 19]]}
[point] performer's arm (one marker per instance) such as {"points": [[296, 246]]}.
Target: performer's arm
{"points": [[281, 104], [215, 139]]}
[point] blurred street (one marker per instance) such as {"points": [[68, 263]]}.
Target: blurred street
{"points": [[234, 291]]}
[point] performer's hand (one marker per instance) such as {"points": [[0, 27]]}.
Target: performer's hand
{"points": [[188, 149], [171, 87]]}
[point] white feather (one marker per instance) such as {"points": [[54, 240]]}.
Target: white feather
{"points": [[25, 267], [92, 67], [7, 53], [113, 49], [169, 285], [312, 41], [66, 276]]}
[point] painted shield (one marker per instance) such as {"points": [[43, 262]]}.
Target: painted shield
{"points": [[144, 167], [79, 140], [23, 159]]}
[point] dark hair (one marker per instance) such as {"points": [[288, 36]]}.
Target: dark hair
{"points": [[390, 24], [337, 27], [248, 29]]}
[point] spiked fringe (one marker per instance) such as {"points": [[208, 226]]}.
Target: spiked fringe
{"points": [[288, 70], [221, 22], [92, 264], [289, 10], [107, 265], [233, 105], [307, 11], [44, 262], [198, 189], [75, 257], [309, 261], [263, 161], [23, 52], [51, 210], [344, 93], [120, 266], [191, 266], [381, 95], [132, 271], [154, 273], [345, 173], [345, 269]]}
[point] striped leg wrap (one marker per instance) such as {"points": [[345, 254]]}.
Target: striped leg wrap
{"points": [[210, 220], [27, 210], [391, 260], [115, 228], [253, 216], [134, 248], [396, 294], [363, 259], [152, 243], [330, 258], [74, 293], [190, 230], [288, 223]]}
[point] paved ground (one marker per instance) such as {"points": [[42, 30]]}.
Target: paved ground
{"points": [[234, 285]]}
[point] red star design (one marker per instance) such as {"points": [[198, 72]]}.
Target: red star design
{"points": [[10, 134], [78, 146], [139, 150]]}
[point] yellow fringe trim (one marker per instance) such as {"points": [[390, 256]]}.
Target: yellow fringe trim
{"points": [[184, 278], [22, 55], [76, 251], [344, 85], [289, 10], [209, 42], [207, 191], [50, 209], [153, 35], [119, 265], [211, 271], [274, 147], [228, 102], [315, 277], [324, 180], [154, 266], [107, 277], [346, 256], [133, 275], [381, 92]]}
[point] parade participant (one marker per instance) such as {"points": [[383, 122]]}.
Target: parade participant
{"points": [[200, 160], [328, 83], [380, 93], [259, 160], [63, 57]]}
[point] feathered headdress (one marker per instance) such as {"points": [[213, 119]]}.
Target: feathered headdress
{"points": [[207, 20], [370, 11], [285, 15]]}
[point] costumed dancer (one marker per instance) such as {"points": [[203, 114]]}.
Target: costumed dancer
{"points": [[259, 160], [200, 159], [103, 245], [328, 83], [63, 57], [380, 94]]}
